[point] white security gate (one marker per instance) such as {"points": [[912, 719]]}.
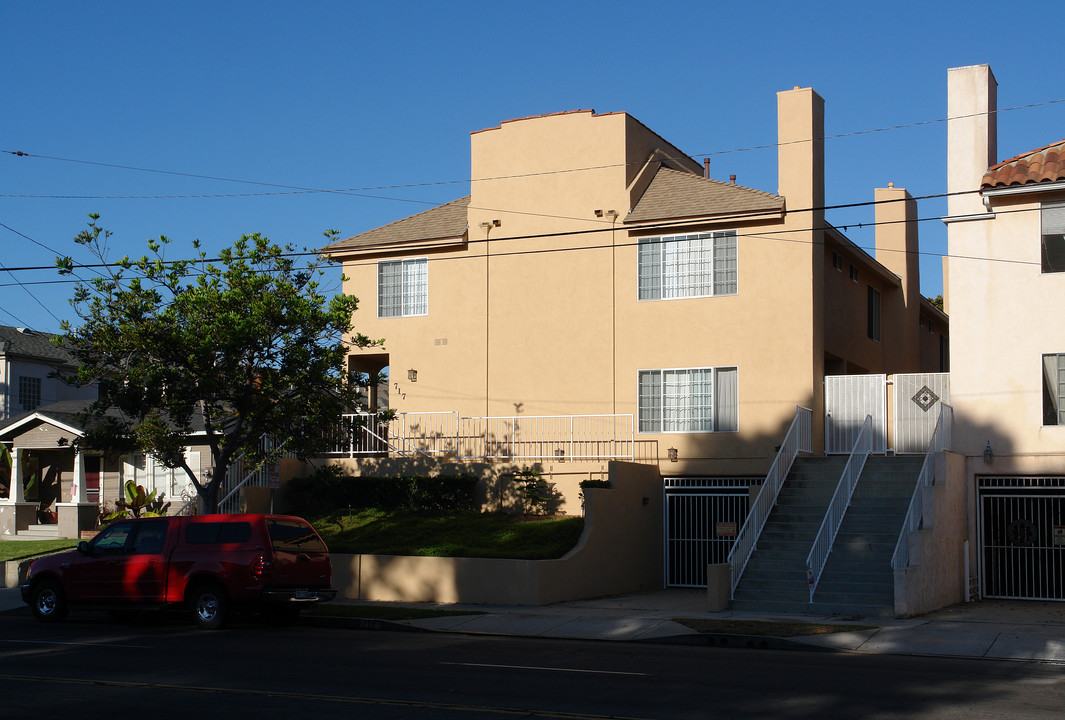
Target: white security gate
{"points": [[1022, 537], [917, 397], [917, 400], [848, 399], [702, 519]]}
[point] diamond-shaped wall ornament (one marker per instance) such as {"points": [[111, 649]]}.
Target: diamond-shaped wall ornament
{"points": [[925, 398]]}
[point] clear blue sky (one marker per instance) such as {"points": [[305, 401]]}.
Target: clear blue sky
{"points": [[381, 97]]}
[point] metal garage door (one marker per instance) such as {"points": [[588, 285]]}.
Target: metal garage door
{"points": [[1022, 537], [702, 518]]}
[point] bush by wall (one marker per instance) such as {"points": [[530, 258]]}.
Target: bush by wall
{"points": [[328, 489]]}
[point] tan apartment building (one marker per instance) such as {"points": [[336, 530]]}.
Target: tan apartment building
{"points": [[1005, 281], [595, 271]]}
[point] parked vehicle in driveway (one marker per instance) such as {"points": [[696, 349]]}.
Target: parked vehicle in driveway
{"points": [[209, 564]]}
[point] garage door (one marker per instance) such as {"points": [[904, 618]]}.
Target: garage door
{"points": [[1022, 537]]}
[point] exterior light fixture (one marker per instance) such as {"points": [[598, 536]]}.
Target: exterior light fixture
{"points": [[989, 454], [672, 452], [560, 454], [412, 375]]}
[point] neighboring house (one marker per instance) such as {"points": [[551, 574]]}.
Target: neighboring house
{"points": [[1005, 281], [59, 486], [598, 296], [29, 362]]}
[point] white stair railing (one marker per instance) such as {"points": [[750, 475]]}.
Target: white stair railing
{"points": [[257, 475], [920, 513], [837, 507], [799, 439]]}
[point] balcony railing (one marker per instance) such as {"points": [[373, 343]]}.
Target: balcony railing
{"points": [[520, 437]]}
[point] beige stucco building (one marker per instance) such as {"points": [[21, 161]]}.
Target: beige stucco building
{"points": [[595, 270], [1005, 281]]}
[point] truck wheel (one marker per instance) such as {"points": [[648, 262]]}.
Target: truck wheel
{"points": [[49, 603], [210, 607]]}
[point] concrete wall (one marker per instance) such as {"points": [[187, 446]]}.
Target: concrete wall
{"points": [[936, 577], [620, 551]]}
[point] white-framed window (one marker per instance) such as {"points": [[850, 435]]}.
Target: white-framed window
{"points": [[403, 288], [687, 400], [147, 471], [29, 392], [1052, 236], [687, 266]]}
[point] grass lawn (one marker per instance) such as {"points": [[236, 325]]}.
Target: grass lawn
{"points": [[22, 549], [379, 532], [768, 628]]}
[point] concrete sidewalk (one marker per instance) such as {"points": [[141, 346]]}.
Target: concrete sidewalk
{"points": [[1014, 630]]}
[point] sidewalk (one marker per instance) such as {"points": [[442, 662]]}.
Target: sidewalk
{"points": [[1014, 630]]}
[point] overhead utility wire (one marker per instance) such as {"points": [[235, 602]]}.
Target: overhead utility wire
{"points": [[296, 189], [762, 234]]}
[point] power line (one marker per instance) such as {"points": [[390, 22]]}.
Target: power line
{"points": [[296, 189]]}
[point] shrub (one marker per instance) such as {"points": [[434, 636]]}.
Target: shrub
{"points": [[328, 489]]}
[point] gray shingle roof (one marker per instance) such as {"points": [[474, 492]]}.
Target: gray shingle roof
{"points": [[66, 412], [32, 344], [674, 195], [443, 222]]}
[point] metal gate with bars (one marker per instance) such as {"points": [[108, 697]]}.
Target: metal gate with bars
{"points": [[1022, 537], [917, 396], [702, 518]]}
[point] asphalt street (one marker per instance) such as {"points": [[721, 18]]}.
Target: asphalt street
{"points": [[89, 666]]}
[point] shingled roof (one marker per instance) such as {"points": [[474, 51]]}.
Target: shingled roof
{"points": [[674, 195], [32, 344], [443, 222], [1045, 164]]}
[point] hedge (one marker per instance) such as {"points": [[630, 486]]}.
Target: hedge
{"points": [[328, 489]]}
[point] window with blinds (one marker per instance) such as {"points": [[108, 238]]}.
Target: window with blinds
{"points": [[403, 288], [688, 400], [1052, 232], [687, 266]]}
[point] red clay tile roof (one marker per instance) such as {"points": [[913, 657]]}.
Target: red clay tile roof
{"points": [[674, 195], [1045, 164], [443, 222]]}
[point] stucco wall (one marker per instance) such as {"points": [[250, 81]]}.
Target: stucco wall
{"points": [[938, 579], [620, 551]]}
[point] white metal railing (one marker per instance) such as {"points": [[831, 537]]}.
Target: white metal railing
{"points": [[529, 437], [798, 439], [920, 513], [837, 507], [250, 474], [521, 437]]}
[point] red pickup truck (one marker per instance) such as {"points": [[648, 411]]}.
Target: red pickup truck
{"points": [[209, 564]]}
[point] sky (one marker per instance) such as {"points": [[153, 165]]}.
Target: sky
{"points": [[208, 120]]}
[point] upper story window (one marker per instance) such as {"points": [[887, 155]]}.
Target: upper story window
{"points": [[29, 393], [687, 266], [873, 313], [402, 288], [837, 261], [688, 400], [1052, 231]]}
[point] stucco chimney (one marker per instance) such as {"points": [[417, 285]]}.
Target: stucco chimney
{"points": [[897, 250], [801, 152], [972, 134]]}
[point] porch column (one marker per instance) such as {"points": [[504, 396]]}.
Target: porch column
{"points": [[17, 493], [77, 485]]}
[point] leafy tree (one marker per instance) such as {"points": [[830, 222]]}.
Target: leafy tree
{"points": [[243, 346]]}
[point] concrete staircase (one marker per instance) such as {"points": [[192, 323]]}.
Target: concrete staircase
{"points": [[775, 578], [857, 579], [38, 532]]}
